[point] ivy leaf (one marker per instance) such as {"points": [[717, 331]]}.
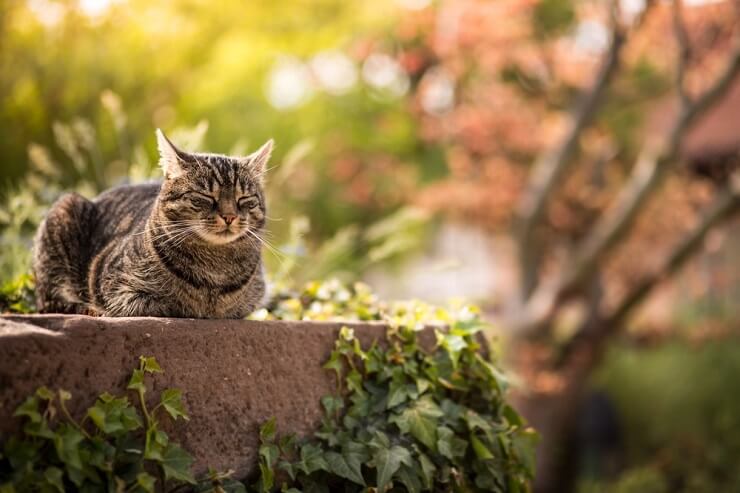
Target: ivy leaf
{"points": [[421, 421], [114, 415], [388, 461], [268, 430], [348, 468], [156, 444], [44, 393], [146, 481], [354, 382], [312, 459], [67, 444], [53, 476], [176, 464], [332, 405], [171, 400], [29, 409], [269, 453], [137, 381], [449, 445], [150, 365], [266, 480], [334, 363], [409, 478], [480, 449], [428, 470], [397, 394], [475, 420]]}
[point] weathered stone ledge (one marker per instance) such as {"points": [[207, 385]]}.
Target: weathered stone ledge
{"points": [[234, 374]]}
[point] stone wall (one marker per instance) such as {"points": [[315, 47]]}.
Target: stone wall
{"points": [[234, 374]]}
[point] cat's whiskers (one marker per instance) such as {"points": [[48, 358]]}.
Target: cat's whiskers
{"points": [[280, 256]]}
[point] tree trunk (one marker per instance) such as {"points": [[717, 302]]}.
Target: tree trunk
{"points": [[551, 402]]}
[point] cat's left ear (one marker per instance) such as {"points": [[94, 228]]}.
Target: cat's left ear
{"points": [[171, 159], [257, 161]]}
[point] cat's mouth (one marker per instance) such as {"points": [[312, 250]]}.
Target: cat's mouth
{"points": [[221, 236]]}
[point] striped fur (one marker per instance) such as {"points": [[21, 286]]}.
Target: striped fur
{"points": [[187, 247]]}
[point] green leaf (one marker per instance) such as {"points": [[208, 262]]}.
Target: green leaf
{"points": [[53, 476], [450, 445], [268, 430], [312, 459], [397, 394], [45, 394], [428, 469], [150, 365], [267, 478], [410, 479], [29, 409], [171, 400], [146, 482], [114, 415], [354, 381], [421, 420], [137, 381], [480, 449], [156, 444], [334, 363], [348, 468], [332, 404], [388, 461], [176, 464], [269, 453], [67, 444]]}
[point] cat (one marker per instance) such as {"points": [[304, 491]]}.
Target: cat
{"points": [[187, 247]]}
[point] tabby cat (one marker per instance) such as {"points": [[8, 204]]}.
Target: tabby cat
{"points": [[186, 247]]}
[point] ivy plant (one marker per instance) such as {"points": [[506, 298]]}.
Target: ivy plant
{"points": [[116, 447], [410, 413], [17, 295], [406, 415]]}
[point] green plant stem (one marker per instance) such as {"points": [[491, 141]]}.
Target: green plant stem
{"points": [[69, 417]]}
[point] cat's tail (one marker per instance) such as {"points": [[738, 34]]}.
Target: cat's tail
{"points": [[62, 253]]}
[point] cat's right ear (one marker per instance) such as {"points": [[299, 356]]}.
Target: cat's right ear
{"points": [[171, 159]]}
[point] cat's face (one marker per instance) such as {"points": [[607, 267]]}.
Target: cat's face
{"points": [[218, 198]]}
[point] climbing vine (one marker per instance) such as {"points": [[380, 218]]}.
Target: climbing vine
{"points": [[406, 416], [424, 409]]}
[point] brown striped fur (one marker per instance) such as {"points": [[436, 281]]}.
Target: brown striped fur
{"points": [[186, 247]]}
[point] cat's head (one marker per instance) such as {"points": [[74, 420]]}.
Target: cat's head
{"points": [[218, 198]]}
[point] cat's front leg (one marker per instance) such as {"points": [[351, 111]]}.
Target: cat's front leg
{"points": [[133, 303]]}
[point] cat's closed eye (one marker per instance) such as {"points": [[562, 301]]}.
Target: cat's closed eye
{"points": [[201, 201], [249, 202]]}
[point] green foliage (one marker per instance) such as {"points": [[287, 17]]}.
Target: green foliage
{"points": [[408, 415], [117, 446], [411, 413], [638, 480], [17, 295], [678, 405], [553, 17]]}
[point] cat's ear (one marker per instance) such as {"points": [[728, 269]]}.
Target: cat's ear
{"points": [[257, 161], [171, 159]]}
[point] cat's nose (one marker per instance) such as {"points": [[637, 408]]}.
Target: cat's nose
{"points": [[228, 218]]}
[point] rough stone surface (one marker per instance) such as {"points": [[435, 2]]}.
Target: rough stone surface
{"points": [[234, 374]]}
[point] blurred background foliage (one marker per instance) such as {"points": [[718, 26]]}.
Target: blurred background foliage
{"points": [[392, 120]]}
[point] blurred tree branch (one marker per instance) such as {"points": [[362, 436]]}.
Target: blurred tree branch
{"points": [[552, 165], [652, 166], [684, 52], [725, 204]]}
